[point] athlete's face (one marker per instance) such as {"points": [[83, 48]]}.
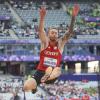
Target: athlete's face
{"points": [[53, 34]]}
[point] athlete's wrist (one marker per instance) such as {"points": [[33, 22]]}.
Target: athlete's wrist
{"points": [[42, 18]]}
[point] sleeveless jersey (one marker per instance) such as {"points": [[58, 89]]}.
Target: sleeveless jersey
{"points": [[50, 56]]}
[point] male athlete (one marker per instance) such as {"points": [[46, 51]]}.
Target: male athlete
{"points": [[52, 47]]}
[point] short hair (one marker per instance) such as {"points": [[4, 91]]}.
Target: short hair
{"points": [[51, 28]]}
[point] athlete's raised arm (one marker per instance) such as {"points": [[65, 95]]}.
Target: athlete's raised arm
{"points": [[70, 32], [42, 34]]}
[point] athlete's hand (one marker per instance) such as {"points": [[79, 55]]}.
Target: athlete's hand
{"points": [[42, 12], [75, 10]]}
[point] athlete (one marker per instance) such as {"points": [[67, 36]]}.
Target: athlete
{"points": [[51, 51]]}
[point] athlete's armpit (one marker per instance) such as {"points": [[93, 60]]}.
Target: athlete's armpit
{"points": [[63, 40], [67, 36]]}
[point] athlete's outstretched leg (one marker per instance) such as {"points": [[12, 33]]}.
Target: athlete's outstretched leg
{"points": [[30, 85], [47, 74], [51, 74], [55, 73]]}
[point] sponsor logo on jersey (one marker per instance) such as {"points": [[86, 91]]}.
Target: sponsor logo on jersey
{"points": [[51, 53]]}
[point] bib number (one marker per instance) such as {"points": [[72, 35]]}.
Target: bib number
{"points": [[50, 62]]}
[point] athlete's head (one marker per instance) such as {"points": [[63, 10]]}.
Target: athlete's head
{"points": [[53, 34]]}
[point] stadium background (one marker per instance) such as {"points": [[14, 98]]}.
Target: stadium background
{"points": [[20, 44]]}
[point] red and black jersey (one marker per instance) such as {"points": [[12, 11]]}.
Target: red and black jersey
{"points": [[50, 56]]}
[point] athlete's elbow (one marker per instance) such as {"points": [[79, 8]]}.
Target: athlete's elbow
{"points": [[39, 30], [71, 32]]}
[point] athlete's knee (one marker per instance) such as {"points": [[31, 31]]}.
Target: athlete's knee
{"points": [[49, 70], [30, 84], [57, 68], [55, 73]]}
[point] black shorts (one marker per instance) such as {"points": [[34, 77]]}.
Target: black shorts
{"points": [[38, 75]]}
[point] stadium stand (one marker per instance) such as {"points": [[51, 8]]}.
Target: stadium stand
{"points": [[60, 89], [70, 90], [28, 12], [19, 21]]}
